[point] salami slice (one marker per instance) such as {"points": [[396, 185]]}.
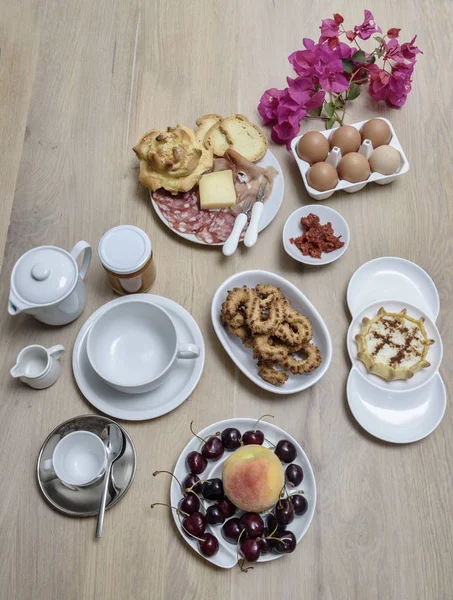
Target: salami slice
{"points": [[218, 229]]}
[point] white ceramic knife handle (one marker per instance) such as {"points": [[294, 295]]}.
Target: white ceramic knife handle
{"points": [[229, 247], [252, 232]]}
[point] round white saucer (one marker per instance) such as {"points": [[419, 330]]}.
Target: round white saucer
{"points": [[138, 407], [293, 229], [227, 555], [400, 418], [420, 378], [392, 278]]}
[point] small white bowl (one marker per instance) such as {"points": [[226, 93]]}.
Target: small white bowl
{"points": [[293, 229], [133, 346]]}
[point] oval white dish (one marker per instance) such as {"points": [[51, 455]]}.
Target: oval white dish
{"points": [[242, 356], [293, 229], [271, 206], [226, 557]]}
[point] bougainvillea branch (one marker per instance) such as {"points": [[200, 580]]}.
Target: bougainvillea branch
{"points": [[331, 72]]}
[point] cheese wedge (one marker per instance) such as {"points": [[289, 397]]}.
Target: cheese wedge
{"points": [[217, 190]]}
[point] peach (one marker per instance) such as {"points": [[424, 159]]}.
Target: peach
{"points": [[253, 478]]}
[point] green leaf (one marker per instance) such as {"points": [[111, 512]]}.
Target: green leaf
{"points": [[354, 91], [329, 107], [330, 122], [348, 65], [378, 38], [380, 53], [339, 101], [371, 59], [359, 56], [317, 111]]}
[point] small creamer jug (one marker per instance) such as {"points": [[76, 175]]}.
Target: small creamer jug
{"points": [[37, 366]]}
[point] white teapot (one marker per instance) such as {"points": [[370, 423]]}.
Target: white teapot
{"points": [[47, 284]]}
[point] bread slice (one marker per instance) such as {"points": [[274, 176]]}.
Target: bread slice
{"points": [[244, 137], [217, 140], [204, 124]]}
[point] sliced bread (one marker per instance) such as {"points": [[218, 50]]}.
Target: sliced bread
{"points": [[217, 140], [204, 124], [244, 137]]}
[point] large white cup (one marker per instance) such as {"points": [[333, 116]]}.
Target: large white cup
{"points": [[79, 459], [134, 345]]}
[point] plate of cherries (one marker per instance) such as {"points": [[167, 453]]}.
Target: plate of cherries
{"points": [[243, 491]]}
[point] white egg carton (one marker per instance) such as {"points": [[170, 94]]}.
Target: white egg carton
{"points": [[334, 158]]}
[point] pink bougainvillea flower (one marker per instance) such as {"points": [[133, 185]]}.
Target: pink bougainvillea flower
{"points": [[338, 19], [379, 81], [351, 35], [284, 132], [268, 105], [393, 33], [392, 50], [303, 62], [409, 50], [368, 27], [332, 78], [329, 29]]}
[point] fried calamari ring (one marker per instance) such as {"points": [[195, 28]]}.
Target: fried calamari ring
{"points": [[312, 359], [295, 329], [268, 372], [268, 293], [263, 320], [265, 347]]}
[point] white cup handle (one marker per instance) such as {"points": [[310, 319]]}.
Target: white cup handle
{"points": [[188, 351], [47, 465], [56, 351], [76, 252]]}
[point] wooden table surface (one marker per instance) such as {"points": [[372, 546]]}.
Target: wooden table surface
{"points": [[80, 81]]}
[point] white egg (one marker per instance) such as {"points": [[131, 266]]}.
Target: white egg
{"points": [[385, 160]]}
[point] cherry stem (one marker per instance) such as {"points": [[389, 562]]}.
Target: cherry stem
{"points": [[256, 424], [270, 443], [168, 473], [178, 510], [296, 492], [196, 434], [241, 566], [237, 548]]}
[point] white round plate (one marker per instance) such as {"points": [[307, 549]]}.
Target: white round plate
{"points": [[293, 229], [271, 206], [148, 405], [392, 278], [226, 557], [243, 357], [398, 418], [421, 377]]}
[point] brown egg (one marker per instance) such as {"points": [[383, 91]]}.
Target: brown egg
{"points": [[377, 131], [322, 176], [347, 138], [313, 147], [354, 167]]}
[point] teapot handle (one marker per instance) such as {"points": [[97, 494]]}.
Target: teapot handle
{"points": [[77, 251]]}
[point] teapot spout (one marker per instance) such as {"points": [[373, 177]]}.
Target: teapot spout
{"points": [[16, 371], [15, 306]]}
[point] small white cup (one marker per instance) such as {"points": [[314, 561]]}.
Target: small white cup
{"points": [[79, 459], [134, 345], [37, 366]]}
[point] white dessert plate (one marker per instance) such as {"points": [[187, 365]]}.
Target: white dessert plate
{"points": [[243, 357], [271, 206], [420, 378], [392, 278], [293, 229], [154, 403], [399, 418], [226, 557]]}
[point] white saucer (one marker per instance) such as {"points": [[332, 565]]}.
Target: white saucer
{"points": [[399, 418], [271, 206], [227, 557], [157, 402], [293, 229], [420, 378], [392, 278]]}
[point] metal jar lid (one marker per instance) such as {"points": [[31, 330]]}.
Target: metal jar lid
{"points": [[124, 249]]}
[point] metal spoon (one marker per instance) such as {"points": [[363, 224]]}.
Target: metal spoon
{"points": [[114, 442]]}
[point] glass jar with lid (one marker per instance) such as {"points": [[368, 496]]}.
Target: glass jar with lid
{"points": [[126, 254]]}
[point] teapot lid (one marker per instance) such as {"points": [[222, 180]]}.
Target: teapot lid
{"points": [[44, 275]]}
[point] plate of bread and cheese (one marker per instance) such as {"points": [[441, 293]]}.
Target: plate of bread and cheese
{"points": [[200, 180]]}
